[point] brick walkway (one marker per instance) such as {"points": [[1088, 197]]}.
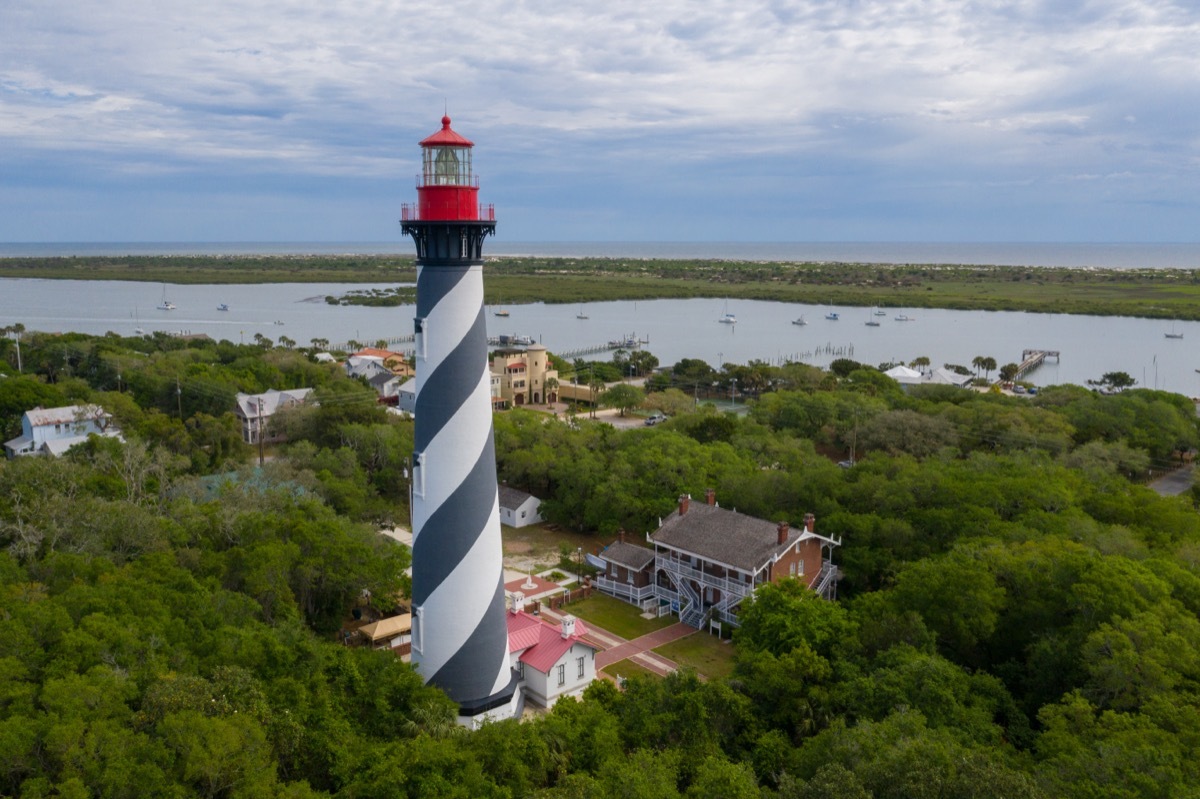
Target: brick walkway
{"points": [[615, 648]]}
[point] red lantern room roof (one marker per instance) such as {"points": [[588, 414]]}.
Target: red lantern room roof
{"points": [[446, 137]]}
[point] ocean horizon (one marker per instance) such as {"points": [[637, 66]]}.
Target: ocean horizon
{"points": [[1115, 255]]}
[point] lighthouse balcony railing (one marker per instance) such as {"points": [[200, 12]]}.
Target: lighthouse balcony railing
{"points": [[411, 212], [433, 179]]}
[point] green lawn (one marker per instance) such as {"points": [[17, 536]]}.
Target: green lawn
{"points": [[619, 618], [707, 654], [626, 669]]}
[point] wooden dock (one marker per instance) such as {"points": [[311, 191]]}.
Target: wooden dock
{"points": [[1031, 359]]}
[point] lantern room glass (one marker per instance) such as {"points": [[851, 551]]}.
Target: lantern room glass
{"points": [[447, 166]]}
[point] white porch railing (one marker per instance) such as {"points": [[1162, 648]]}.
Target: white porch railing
{"points": [[630, 593]]}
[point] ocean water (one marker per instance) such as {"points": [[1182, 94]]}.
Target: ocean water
{"points": [[1125, 255]]}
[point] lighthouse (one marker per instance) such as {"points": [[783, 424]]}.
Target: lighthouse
{"points": [[459, 633]]}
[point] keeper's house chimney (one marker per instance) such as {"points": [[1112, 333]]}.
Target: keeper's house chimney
{"points": [[517, 602], [684, 499], [784, 529], [810, 522], [621, 535], [568, 626], [710, 496]]}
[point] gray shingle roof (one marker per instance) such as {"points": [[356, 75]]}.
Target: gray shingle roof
{"points": [[724, 536], [631, 556], [512, 498]]}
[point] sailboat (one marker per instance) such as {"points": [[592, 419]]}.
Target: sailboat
{"points": [[166, 305], [872, 322], [728, 318], [879, 311], [832, 316], [800, 321], [500, 312], [581, 314], [137, 323], [1173, 334]]}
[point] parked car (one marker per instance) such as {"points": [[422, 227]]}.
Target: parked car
{"points": [[655, 418]]}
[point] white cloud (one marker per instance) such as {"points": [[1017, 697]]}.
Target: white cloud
{"points": [[328, 88]]}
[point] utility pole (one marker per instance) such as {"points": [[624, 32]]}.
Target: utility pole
{"points": [[260, 432], [179, 398], [854, 439]]}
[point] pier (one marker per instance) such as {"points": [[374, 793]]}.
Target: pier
{"points": [[388, 342], [1031, 359], [630, 342]]}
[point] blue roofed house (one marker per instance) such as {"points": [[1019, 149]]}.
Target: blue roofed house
{"points": [[53, 431]]}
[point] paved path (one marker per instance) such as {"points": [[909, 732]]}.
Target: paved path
{"points": [[1174, 483], [614, 648]]}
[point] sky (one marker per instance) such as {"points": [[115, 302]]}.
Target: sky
{"points": [[673, 120]]}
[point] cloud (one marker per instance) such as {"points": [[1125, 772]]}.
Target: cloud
{"points": [[898, 93]]}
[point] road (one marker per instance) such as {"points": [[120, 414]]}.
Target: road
{"points": [[1172, 484]]}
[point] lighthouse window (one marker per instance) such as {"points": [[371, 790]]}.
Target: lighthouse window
{"points": [[446, 166]]}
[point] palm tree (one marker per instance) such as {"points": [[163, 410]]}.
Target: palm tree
{"points": [[989, 363], [920, 363], [977, 362]]}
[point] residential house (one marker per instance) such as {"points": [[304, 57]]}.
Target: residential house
{"points": [[255, 412], [365, 366], [387, 386], [708, 559], [525, 376], [53, 431], [628, 571], [406, 395], [552, 660], [395, 362], [518, 508]]}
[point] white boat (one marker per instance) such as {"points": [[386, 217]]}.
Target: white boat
{"points": [[222, 307], [904, 318], [166, 305], [800, 321], [728, 319], [832, 316], [581, 314], [880, 312]]}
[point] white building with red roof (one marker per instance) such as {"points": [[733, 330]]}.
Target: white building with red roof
{"points": [[552, 660]]}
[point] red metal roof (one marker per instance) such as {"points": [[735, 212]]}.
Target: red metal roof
{"points": [[446, 137], [542, 641]]}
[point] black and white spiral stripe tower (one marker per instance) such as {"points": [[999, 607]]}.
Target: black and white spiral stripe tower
{"points": [[460, 639]]}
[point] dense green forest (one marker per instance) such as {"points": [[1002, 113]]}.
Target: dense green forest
{"points": [[1017, 618]]}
